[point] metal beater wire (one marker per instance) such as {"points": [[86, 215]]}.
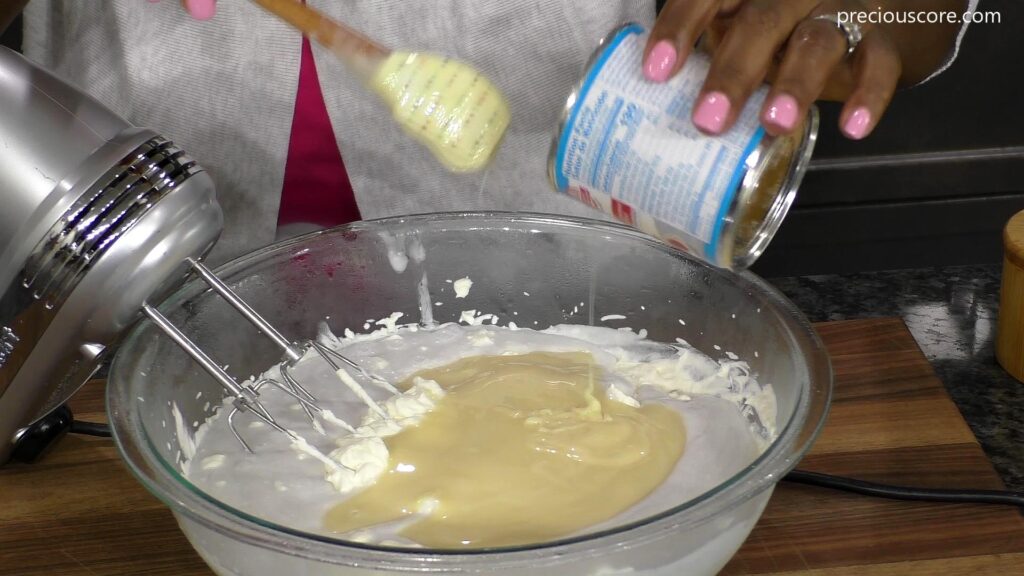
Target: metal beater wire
{"points": [[247, 396]]}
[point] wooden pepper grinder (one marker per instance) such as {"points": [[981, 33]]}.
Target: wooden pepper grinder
{"points": [[1010, 338]]}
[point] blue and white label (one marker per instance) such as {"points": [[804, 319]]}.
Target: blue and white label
{"points": [[629, 148]]}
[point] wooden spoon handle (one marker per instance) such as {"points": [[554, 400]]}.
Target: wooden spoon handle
{"points": [[356, 50]]}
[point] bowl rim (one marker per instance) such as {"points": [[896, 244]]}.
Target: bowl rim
{"points": [[781, 456]]}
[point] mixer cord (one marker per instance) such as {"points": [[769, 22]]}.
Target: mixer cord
{"points": [[90, 428], [862, 487], [1004, 497]]}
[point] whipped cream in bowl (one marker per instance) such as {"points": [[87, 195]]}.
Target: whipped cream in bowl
{"points": [[672, 397]]}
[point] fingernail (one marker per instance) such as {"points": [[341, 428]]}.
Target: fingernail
{"points": [[781, 112], [201, 9], [710, 114], [660, 61], [858, 123]]}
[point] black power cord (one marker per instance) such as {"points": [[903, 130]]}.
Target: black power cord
{"points": [[1005, 497], [90, 428], [36, 440]]}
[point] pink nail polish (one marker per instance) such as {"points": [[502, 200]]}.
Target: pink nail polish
{"points": [[201, 9], [711, 112], [660, 61], [781, 112], [858, 123]]}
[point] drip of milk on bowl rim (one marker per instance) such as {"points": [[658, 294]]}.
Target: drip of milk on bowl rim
{"points": [[425, 304], [401, 248], [395, 247], [415, 249], [723, 442]]}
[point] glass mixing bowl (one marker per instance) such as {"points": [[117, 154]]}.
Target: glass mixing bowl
{"points": [[533, 270]]}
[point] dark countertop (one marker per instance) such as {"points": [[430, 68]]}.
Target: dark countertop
{"points": [[952, 314]]}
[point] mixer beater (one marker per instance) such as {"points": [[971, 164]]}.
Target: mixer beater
{"points": [[246, 396]]}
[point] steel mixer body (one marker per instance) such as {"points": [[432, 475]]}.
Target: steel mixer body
{"points": [[97, 217], [98, 221]]}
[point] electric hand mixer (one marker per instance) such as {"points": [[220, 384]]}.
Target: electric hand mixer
{"points": [[98, 221]]}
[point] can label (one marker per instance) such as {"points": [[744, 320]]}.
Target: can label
{"points": [[629, 149]]}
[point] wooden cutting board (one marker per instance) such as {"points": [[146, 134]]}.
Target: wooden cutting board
{"points": [[79, 511]]}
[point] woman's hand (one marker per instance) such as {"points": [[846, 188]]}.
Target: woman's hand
{"points": [[803, 56]]}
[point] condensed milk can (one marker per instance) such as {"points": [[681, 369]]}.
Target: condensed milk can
{"points": [[627, 147]]}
